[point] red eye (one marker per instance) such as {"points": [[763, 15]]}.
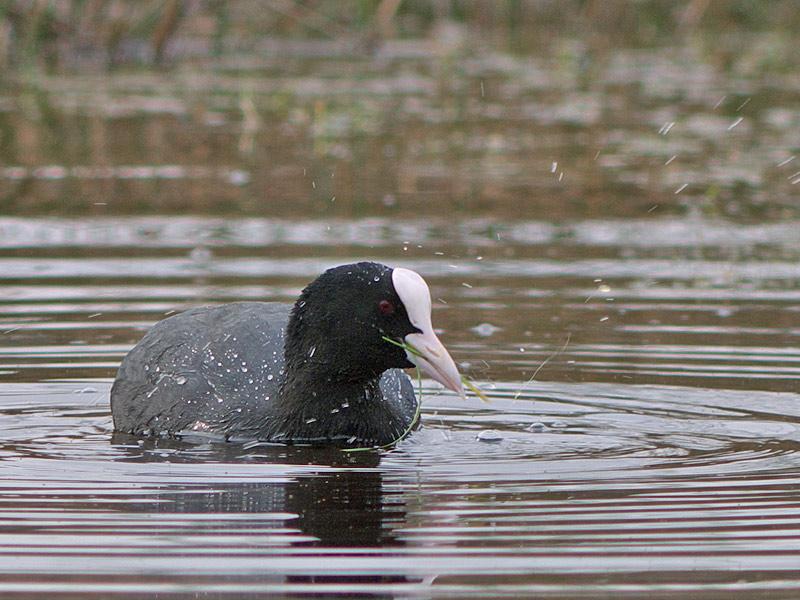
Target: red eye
{"points": [[386, 307]]}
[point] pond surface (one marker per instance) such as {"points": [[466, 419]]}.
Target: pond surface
{"points": [[618, 266]]}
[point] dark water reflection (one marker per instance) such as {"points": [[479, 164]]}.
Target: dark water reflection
{"points": [[612, 246], [342, 504]]}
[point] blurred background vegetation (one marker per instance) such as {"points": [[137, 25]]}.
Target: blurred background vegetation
{"points": [[106, 34], [542, 108]]}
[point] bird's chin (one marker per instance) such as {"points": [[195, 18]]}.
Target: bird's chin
{"points": [[407, 364]]}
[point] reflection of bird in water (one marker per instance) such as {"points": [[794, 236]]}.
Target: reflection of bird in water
{"points": [[342, 505]]}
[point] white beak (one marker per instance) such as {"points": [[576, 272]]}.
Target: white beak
{"points": [[431, 356], [434, 360]]}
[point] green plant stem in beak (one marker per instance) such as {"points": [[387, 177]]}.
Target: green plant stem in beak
{"points": [[413, 350]]}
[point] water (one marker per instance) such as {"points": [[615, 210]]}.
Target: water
{"points": [[641, 346]]}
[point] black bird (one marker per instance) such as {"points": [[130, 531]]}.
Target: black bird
{"points": [[317, 373]]}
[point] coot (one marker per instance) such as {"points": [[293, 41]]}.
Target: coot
{"points": [[319, 372]]}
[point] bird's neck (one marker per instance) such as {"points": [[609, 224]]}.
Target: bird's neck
{"points": [[328, 396], [327, 410], [309, 390]]}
